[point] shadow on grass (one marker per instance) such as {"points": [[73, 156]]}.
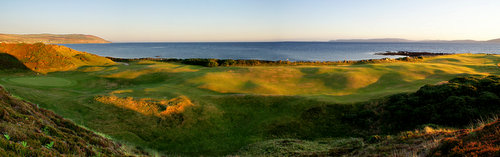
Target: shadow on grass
{"points": [[11, 63]]}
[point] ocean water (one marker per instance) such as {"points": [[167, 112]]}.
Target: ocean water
{"points": [[293, 51]]}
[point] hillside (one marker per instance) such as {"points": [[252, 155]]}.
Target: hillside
{"points": [[28, 130], [44, 58], [51, 38]]}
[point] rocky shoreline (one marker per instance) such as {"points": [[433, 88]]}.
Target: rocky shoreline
{"points": [[411, 54]]}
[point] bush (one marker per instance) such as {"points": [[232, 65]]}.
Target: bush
{"points": [[228, 62], [453, 104], [212, 63]]}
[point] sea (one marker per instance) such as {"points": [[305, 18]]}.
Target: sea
{"points": [[293, 51]]}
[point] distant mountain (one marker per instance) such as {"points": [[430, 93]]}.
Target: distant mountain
{"points": [[373, 40], [406, 40], [448, 41], [51, 38], [494, 40]]}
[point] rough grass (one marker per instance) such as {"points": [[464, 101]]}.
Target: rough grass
{"points": [[233, 106], [31, 131], [295, 147], [481, 141]]}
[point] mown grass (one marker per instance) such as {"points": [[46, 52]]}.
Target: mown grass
{"points": [[233, 106], [42, 81]]}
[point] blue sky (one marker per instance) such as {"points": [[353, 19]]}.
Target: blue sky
{"points": [[254, 20]]}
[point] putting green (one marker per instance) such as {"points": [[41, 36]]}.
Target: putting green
{"points": [[42, 81]]}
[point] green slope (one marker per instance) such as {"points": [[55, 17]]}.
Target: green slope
{"points": [[233, 106]]}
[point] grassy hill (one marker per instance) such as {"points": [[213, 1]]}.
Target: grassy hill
{"points": [[183, 109], [44, 58], [28, 130], [51, 38]]}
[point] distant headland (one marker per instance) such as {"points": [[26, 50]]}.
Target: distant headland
{"points": [[398, 40], [51, 38]]}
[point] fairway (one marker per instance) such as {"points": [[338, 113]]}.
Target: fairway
{"points": [[42, 81]]}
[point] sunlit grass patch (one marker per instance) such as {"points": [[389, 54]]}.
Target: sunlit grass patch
{"points": [[148, 106], [122, 91], [336, 80], [91, 69], [136, 71], [97, 68]]}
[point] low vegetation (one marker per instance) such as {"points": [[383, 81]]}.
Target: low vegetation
{"points": [[207, 62], [482, 141]]}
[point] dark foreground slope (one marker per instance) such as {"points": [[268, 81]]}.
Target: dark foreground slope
{"points": [[44, 58], [483, 141], [31, 131], [51, 38], [427, 141]]}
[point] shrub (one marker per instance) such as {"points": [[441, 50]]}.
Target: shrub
{"points": [[453, 104], [228, 62], [212, 63]]}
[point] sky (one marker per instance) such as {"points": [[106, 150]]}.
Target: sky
{"points": [[254, 20]]}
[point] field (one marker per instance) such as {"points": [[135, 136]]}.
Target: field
{"points": [[228, 107]]}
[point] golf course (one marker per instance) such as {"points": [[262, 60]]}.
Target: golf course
{"points": [[178, 109]]}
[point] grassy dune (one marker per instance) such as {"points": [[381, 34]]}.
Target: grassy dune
{"points": [[232, 106], [43, 58]]}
